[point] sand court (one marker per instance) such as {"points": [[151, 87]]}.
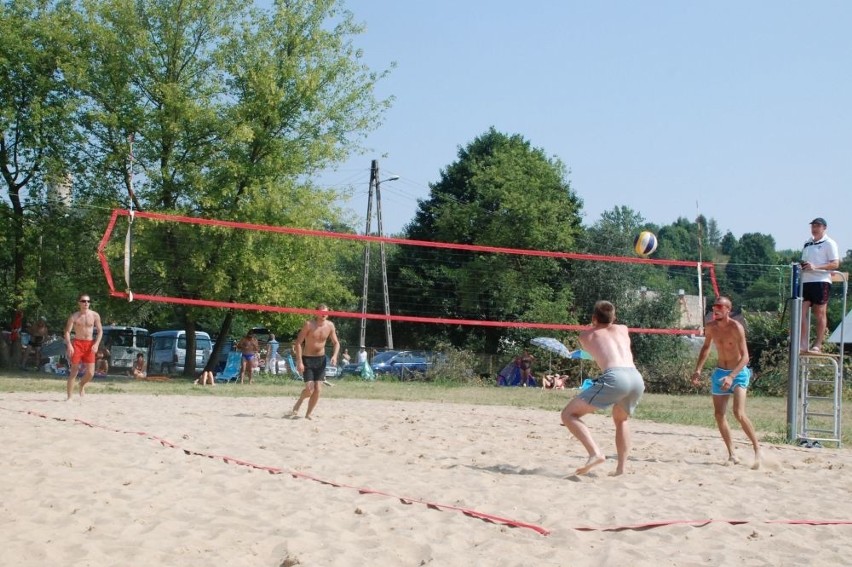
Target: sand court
{"points": [[189, 480]]}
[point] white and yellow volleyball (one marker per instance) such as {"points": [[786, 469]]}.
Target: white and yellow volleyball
{"points": [[645, 243]]}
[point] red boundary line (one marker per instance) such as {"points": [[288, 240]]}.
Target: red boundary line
{"points": [[345, 236], [300, 475]]}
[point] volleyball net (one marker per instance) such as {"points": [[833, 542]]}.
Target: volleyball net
{"points": [[425, 282]]}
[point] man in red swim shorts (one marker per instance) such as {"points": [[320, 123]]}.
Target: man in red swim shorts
{"points": [[84, 347]]}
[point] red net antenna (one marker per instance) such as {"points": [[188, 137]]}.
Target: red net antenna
{"points": [[451, 251]]}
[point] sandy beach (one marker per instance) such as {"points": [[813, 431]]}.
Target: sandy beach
{"points": [[195, 480]]}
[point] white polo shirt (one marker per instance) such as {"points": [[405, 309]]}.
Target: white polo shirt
{"points": [[819, 253]]}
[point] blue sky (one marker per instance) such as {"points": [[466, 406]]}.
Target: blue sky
{"points": [[739, 110]]}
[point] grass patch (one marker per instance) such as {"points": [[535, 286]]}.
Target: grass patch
{"points": [[769, 414]]}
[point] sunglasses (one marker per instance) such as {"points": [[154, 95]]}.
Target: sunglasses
{"points": [[84, 301]]}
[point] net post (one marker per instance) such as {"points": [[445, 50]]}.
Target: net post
{"points": [[795, 339]]}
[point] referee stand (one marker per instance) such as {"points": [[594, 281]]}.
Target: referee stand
{"points": [[815, 383]]}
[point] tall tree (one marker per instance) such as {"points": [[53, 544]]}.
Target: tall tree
{"points": [[231, 109], [500, 192], [36, 108], [611, 235], [751, 258]]}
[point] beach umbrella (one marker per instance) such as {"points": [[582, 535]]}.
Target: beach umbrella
{"points": [[580, 355], [553, 345]]}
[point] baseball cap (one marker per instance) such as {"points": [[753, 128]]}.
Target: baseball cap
{"points": [[819, 220]]}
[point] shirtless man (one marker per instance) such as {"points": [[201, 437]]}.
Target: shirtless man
{"points": [[731, 376], [620, 386], [310, 358], [84, 347], [249, 348]]}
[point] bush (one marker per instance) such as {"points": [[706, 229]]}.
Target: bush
{"points": [[454, 366]]}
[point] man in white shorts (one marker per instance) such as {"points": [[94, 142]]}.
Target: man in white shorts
{"points": [[620, 386]]}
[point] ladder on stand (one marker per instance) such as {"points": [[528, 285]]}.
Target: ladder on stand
{"points": [[821, 388]]}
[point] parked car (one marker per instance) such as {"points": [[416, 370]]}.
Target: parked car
{"points": [[168, 351], [351, 369], [124, 343], [331, 371], [400, 363]]}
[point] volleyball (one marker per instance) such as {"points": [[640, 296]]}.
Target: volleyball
{"points": [[645, 243]]}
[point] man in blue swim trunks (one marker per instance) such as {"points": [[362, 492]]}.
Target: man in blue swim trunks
{"points": [[249, 348], [731, 377], [620, 386]]}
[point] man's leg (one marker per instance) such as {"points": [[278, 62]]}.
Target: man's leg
{"points": [[720, 407], [242, 368], [72, 376], [821, 324], [315, 396], [805, 329], [745, 422], [571, 415], [306, 392], [622, 436], [87, 377]]}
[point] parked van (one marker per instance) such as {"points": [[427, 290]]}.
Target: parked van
{"points": [[124, 343], [168, 351]]}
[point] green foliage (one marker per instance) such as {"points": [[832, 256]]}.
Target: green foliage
{"points": [[752, 251], [454, 367], [37, 104], [768, 346]]}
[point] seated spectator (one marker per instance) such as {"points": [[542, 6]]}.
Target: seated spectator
{"points": [[205, 378], [102, 361], [554, 381], [139, 367]]}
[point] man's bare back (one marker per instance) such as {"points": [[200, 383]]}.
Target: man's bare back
{"points": [[609, 345]]}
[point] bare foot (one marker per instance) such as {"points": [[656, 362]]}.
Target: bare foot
{"points": [[732, 460], [757, 460], [309, 417], [616, 472], [593, 461]]}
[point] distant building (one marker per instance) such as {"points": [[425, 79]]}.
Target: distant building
{"points": [[691, 308], [59, 191]]}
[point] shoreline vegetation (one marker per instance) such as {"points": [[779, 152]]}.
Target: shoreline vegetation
{"points": [[769, 414]]}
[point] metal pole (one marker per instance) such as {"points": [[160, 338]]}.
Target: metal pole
{"points": [[795, 338]]}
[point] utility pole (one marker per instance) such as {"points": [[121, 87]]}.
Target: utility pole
{"points": [[375, 186], [388, 331], [374, 179]]}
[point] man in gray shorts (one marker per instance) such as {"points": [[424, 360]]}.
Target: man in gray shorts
{"points": [[620, 386]]}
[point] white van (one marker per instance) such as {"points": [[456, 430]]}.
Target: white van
{"points": [[124, 343], [168, 351]]}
